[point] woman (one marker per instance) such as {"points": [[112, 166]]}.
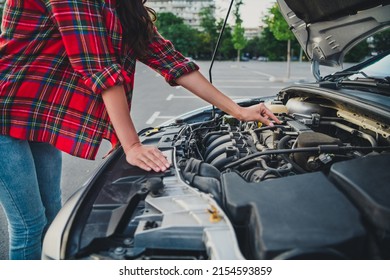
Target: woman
{"points": [[67, 75]]}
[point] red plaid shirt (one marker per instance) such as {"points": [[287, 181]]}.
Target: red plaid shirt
{"points": [[56, 57]]}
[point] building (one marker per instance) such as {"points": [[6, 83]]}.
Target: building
{"points": [[252, 32], [188, 10]]}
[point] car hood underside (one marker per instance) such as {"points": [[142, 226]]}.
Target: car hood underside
{"points": [[326, 31]]}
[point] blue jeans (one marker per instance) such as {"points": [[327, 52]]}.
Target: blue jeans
{"points": [[30, 193]]}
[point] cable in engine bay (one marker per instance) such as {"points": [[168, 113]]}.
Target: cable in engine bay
{"points": [[319, 149]]}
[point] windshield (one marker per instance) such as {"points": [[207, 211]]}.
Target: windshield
{"points": [[378, 69]]}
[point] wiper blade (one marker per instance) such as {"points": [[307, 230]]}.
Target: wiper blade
{"points": [[342, 76], [382, 84], [334, 81]]}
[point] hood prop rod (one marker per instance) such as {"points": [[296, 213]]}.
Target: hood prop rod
{"points": [[217, 47]]}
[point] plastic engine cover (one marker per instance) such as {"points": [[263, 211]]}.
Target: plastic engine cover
{"points": [[294, 213]]}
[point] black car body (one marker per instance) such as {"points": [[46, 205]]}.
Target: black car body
{"points": [[316, 186]]}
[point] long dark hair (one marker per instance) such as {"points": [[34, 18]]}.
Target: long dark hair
{"points": [[137, 24]]}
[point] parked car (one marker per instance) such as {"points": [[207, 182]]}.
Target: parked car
{"points": [[316, 186], [263, 58]]}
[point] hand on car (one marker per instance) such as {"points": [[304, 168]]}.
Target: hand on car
{"points": [[259, 112], [147, 157]]}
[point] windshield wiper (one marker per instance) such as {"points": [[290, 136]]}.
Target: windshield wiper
{"points": [[338, 79], [342, 77], [337, 76]]}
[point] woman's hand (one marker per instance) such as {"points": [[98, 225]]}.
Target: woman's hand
{"points": [[258, 112], [200, 86], [146, 157]]}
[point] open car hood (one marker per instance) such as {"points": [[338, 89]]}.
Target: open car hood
{"points": [[327, 29]]}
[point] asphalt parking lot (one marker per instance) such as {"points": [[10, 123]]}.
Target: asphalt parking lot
{"points": [[155, 102]]}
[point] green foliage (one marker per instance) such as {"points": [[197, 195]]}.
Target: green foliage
{"points": [[358, 53], [209, 34], [278, 25], [255, 47], [238, 38], [194, 43], [273, 49], [381, 41], [378, 43], [180, 34], [239, 41], [226, 49], [208, 21], [165, 20], [236, 12]]}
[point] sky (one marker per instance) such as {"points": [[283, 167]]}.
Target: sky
{"points": [[251, 10]]}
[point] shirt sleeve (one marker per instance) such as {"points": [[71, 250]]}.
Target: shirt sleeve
{"points": [[166, 60], [85, 37]]}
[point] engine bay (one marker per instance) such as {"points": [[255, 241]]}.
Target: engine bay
{"points": [[320, 155], [310, 138], [315, 186]]}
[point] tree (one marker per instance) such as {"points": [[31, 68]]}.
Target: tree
{"points": [[238, 38], [164, 20], [226, 48], [381, 41], [280, 30], [376, 44], [358, 53], [209, 33], [255, 47], [273, 49], [180, 34]]}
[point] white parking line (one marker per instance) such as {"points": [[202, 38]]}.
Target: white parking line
{"points": [[155, 116], [171, 96], [262, 74], [216, 81], [246, 87], [190, 96]]}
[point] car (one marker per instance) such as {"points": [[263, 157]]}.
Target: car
{"points": [[316, 186], [262, 58]]}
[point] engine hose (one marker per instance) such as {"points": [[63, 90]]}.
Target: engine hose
{"points": [[204, 177], [322, 117], [286, 168], [256, 141], [200, 128], [351, 130], [278, 172], [267, 173], [263, 128], [319, 149], [282, 145]]}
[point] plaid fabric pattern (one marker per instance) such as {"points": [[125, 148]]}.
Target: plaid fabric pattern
{"points": [[56, 57]]}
